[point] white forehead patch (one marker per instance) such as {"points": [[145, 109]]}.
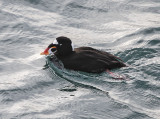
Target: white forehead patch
{"points": [[55, 42]]}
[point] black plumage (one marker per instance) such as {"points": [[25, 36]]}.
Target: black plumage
{"points": [[85, 59]]}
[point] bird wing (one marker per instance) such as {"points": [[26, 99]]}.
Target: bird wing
{"points": [[84, 62], [91, 60]]}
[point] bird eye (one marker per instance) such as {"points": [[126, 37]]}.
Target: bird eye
{"points": [[52, 50]]}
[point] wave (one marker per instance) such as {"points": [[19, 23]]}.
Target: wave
{"points": [[104, 84], [77, 6]]}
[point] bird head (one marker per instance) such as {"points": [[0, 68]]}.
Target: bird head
{"points": [[62, 46]]}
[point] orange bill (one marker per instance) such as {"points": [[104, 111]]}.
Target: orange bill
{"points": [[45, 52]]}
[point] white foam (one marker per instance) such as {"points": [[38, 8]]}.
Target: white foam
{"points": [[49, 100], [13, 80]]}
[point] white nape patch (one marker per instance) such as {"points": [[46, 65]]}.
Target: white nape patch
{"points": [[55, 42], [72, 47]]}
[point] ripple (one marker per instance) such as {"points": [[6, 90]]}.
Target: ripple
{"points": [[154, 42], [132, 55], [35, 2], [75, 5]]}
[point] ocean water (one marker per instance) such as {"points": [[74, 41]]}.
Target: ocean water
{"points": [[30, 88]]}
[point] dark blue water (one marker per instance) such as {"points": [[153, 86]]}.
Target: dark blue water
{"points": [[129, 29]]}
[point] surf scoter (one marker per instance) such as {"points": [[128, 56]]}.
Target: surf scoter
{"points": [[84, 59]]}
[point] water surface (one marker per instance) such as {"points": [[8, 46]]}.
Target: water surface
{"points": [[128, 29]]}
